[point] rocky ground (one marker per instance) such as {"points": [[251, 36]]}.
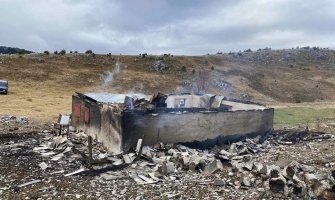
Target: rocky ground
{"points": [[35, 163]]}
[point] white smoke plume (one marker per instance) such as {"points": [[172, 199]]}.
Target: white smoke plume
{"points": [[109, 76]]}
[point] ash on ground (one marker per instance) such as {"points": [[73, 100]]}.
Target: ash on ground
{"points": [[38, 163]]}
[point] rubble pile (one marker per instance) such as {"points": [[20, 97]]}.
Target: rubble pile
{"points": [[253, 168], [221, 84], [10, 118], [286, 56], [159, 66]]}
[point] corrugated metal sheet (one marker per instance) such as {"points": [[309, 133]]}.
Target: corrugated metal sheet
{"points": [[115, 98]]}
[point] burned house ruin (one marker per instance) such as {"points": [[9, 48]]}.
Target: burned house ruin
{"points": [[119, 120]]}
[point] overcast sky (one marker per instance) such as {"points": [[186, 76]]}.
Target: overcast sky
{"points": [[191, 27]]}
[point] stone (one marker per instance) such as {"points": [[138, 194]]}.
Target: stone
{"points": [[243, 151], [195, 159], [264, 170], [159, 66], [168, 168], [245, 181], [319, 187], [272, 170], [238, 166], [257, 166], [299, 187], [128, 159], [43, 165], [213, 167], [288, 172], [147, 151], [248, 165], [219, 182], [186, 160], [160, 154], [233, 149], [108, 177], [274, 173], [314, 177], [278, 185], [225, 153], [282, 163], [72, 129], [306, 168], [159, 161]]}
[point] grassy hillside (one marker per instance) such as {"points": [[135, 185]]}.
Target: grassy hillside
{"points": [[41, 85]]}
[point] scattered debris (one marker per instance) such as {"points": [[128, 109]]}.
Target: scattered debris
{"points": [[75, 172], [28, 183], [159, 66], [252, 168], [43, 165]]}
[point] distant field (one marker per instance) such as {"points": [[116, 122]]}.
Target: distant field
{"points": [[302, 116]]}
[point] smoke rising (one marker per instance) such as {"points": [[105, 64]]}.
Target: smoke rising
{"points": [[109, 76]]}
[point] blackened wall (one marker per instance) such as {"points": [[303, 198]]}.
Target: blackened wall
{"points": [[204, 129]]}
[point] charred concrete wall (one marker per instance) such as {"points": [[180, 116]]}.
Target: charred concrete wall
{"points": [[110, 133], [195, 128], [119, 129], [103, 124]]}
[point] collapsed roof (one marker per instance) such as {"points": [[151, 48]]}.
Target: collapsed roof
{"points": [[182, 101]]}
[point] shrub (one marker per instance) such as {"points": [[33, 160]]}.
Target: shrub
{"points": [[315, 48], [46, 52], [93, 55], [183, 68], [75, 51], [70, 51], [56, 52], [89, 51], [62, 52]]}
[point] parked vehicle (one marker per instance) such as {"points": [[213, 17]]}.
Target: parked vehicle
{"points": [[3, 86]]}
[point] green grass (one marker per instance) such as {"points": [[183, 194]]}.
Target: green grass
{"points": [[295, 116]]}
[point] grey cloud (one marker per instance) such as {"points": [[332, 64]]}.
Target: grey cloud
{"points": [[166, 26]]}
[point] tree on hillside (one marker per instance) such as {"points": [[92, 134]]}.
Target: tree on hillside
{"points": [[62, 52], [88, 51], [12, 50]]}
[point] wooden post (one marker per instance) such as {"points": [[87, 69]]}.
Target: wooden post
{"points": [[90, 159], [60, 129], [68, 131]]}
